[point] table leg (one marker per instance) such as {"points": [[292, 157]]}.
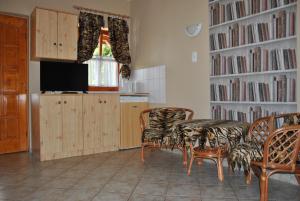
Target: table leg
{"points": [[220, 169]]}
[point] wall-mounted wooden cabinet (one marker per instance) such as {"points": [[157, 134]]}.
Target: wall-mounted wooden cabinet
{"points": [[54, 35], [73, 125], [130, 124]]}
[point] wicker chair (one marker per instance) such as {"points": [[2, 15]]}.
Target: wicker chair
{"points": [[252, 149], [243, 153], [280, 153], [157, 125], [252, 152]]}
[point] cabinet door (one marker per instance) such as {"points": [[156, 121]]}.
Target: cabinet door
{"points": [[126, 127], [45, 33], [50, 126], [72, 138], [67, 36], [91, 125], [110, 123], [130, 124]]}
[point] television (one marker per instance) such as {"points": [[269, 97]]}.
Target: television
{"points": [[62, 76]]}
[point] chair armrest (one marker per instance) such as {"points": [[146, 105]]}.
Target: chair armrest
{"points": [[281, 148], [142, 119]]}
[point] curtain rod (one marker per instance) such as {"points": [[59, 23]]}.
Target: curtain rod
{"points": [[99, 11]]}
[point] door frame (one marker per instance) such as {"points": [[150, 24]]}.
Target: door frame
{"points": [[28, 105]]}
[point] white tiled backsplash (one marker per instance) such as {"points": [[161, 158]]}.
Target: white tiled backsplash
{"points": [[150, 80]]}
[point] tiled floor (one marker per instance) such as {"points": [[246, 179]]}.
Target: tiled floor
{"points": [[120, 176]]}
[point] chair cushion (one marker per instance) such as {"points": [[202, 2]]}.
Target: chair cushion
{"points": [[242, 155], [151, 134], [172, 117], [164, 118], [157, 119], [161, 123]]}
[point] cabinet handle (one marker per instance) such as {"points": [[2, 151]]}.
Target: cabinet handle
{"points": [[65, 102], [60, 44], [104, 101], [100, 101], [59, 102], [54, 43], [134, 106]]}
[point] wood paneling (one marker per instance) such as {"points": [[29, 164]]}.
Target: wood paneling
{"points": [[13, 84], [11, 105], [110, 110], [72, 124], [91, 124], [67, 36], [51, 126], [130, 124]]}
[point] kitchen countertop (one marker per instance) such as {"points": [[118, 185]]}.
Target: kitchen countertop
{"points": [[134, 94], [96, 92]]}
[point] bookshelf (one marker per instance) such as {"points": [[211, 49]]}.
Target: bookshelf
{"points": [[253, 55]]}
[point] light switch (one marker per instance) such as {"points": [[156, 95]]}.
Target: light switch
{"points": [[194, 56]]}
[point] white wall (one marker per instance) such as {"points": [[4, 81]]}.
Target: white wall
{"points": [[157, 37]]}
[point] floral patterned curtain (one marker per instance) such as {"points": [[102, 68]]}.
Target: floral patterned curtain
{"points": [[89, 31], [118, 34]]}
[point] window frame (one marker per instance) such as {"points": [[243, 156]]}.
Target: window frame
{"points": [[103, 88]]}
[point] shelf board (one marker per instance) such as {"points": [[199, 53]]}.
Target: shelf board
{"points": [[254, 44], [212, 2], [253, 103], [254, 73], [254, 15]]}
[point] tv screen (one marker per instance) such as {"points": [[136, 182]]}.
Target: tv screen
{"points": [[62, 76]]}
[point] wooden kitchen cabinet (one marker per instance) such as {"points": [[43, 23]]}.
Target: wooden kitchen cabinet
{"points": [[65, 125], [57, 126], [130, 124], [54, 35], [101, 120]]}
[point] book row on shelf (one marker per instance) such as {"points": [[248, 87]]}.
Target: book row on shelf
{"points": [[281, 89], [281, 25], [253, 113], [257, 60], [228, 11]]}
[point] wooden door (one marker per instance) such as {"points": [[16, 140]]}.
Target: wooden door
{"points": [[110, 128], [130, 124], [13, 84], [51, 126], [72, 137], [67, 36], [45, 33]]}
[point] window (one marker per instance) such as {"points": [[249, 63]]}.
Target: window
{"points": [[103, 69]]}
